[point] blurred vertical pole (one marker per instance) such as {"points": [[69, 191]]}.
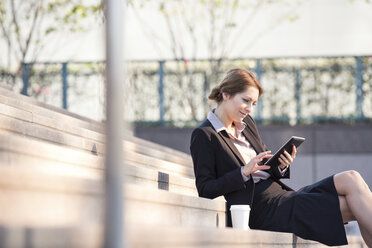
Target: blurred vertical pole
{"points": [[359, 87], [25, 73], [259, 103], [114, 222], [298, 94], [161, 92], [205, 96], [64, 85]]}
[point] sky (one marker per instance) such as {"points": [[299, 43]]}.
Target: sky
{"points": [[322, 28]]}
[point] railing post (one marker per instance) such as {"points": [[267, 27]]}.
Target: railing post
{"points": [[298, 94], [359, 87], [25, 75], [259, 73], [161, 91], [64, 85]]}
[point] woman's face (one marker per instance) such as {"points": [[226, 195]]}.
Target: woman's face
{"points": [[241, 104]]}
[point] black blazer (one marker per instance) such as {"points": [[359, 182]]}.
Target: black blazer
{"points": [[217, 164]]}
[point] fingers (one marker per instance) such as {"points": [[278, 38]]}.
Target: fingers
{"points": [[262, 154], [253, 166], [285, 160], [283, 163], [294, 151], [263, 167], [287, 156]]}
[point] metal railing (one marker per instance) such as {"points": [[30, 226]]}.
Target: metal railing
{"points": [[296, 90]]}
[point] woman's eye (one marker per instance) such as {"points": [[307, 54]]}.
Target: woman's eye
{"points": [[249, 101]]}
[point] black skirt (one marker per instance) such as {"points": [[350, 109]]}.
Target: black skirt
{"points": [[312, 212]]}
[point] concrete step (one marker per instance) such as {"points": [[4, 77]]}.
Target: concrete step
{"points": [[54, 136], [57, 125], [158, 151], [5, 86], [91, 236], [23, 152], [42, 112], [30, 198], [29, 104]]}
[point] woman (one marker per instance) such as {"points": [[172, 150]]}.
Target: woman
{"points": [[228, 154]]}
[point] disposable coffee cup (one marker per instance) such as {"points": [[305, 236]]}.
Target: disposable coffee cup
{"points": [[240, 216]]}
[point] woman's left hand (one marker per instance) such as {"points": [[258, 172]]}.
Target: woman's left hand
{"points": [[286, 159]]}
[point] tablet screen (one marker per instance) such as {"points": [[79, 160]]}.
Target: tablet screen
{"points": [[294, 140]]}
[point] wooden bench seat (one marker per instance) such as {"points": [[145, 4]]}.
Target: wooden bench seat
{"points": [[32, 198], [61, 130], [23, 152], [91, 236]]}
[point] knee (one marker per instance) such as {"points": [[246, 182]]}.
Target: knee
{"points": [[356, 179], [353, 175], [349, 182]]}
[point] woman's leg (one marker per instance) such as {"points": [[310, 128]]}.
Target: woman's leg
{"points": [[366, 236], [348, 216], [346, 213], [355, 201]]}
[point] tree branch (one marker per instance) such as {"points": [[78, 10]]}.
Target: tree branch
{"points": [[247, 23], [171, 33], [17, 28], [212, 30], [31, 32], [181, 38], [275, 24], [225, 33], [3, 29], [191, 29], [147, 33], [7, 38]]}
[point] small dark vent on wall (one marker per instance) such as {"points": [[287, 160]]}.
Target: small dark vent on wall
{"points": [[163, 181]]}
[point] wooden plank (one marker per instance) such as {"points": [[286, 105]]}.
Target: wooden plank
{"points": [[23, 145], [22, 152], [15, 113], [29, 198], [68, 124], [50, 130], [90, 236], [34, 106]]}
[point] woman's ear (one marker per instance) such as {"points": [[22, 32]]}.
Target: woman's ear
{"points": [[225, 96]]}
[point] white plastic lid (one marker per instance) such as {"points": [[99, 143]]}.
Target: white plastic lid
{"points": [[240, 207]]}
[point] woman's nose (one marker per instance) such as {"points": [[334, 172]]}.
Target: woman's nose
{"points": [[248, 108]]}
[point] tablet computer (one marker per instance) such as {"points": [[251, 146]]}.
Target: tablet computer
{"points": [[294, 140]]}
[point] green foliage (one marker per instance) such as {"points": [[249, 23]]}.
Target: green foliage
{"points": [[367, 1], [292, 17], [2, 9], [50, 30], [71, 15], [26, 25]]}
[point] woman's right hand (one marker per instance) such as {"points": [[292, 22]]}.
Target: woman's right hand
{"points": [[253, 166]]}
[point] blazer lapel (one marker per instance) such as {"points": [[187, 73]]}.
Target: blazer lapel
{"points": [[251, 137], [231, 145]]}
